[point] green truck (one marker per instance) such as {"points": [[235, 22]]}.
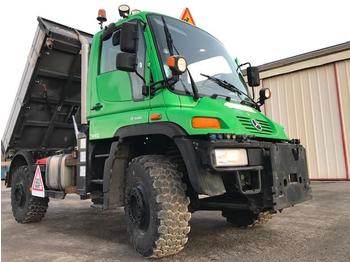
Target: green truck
{"points": [[151, 114]]}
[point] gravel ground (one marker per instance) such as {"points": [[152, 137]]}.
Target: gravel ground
{"points": [[318, 230]]}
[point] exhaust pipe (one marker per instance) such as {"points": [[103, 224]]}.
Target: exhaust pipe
{"points": [[85, 46]]}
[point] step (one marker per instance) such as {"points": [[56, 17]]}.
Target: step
{"points": [[97, 181], [98, 206], [101, 156], [55, 194]]}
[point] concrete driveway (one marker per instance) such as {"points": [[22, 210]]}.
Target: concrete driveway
{"points": [[318, 230]]}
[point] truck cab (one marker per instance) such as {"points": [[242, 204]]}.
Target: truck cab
{"points": [[111, 89], [167, 126]]}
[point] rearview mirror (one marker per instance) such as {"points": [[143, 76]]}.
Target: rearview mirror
{"points": [[128, 37], [253, 76], [126, 62]]}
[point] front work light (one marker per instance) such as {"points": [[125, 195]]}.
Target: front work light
{"points": [[206, 122], [230, 157], [177, 64], [265, 93]]}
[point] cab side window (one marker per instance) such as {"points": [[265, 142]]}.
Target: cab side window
{"points": [[110, 49], [137, 82]]}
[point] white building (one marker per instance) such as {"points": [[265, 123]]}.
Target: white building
{"points": [[311, 99]]}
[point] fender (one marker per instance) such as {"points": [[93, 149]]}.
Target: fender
{"points": [[201, 180], [114, 175], [21, 158], [116, 163], [161, 128]]}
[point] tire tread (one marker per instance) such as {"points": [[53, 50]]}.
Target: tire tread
{"points": [[171, 202], [37, 206]]}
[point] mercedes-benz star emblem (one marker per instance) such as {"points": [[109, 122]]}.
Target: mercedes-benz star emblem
{"points": [[256, 124]]}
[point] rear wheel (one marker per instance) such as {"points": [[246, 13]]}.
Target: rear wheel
{"points": [[25, 207], [241, 218], [245, 218], [156, 206]]}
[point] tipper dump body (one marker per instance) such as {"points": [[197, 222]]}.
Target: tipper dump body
{"points": [[49, 93]]}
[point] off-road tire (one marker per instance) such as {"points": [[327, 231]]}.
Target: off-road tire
{"points": [[25, 207], [164, 226], [246, 218]]}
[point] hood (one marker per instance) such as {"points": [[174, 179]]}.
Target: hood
{"points": [[234, 118]]}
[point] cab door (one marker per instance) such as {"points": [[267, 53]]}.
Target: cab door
{"points": [[119, 100]]}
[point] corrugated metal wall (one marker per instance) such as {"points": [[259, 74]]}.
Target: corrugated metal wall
{"points": [[342, 70], [313, 104]]}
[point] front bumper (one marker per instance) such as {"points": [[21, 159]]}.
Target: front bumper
{"points": [[277, 171]]}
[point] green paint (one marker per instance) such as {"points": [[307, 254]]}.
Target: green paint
{"points": [[114, 91], [114, 86]]}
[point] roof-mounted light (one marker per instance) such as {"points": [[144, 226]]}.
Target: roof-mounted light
{"points": [[101, 17], [135, 11], [124, 10]]}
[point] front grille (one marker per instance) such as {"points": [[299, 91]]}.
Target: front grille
{"points": [[248, 125]]}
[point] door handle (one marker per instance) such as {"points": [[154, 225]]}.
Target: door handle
{"points": [[97, 107]]}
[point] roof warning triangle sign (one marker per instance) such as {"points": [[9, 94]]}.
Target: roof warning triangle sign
{"points": [[187, 17], [38, 184]]}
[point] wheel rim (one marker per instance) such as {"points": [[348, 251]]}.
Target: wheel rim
{"points": [[20, 195], [138, 211]]}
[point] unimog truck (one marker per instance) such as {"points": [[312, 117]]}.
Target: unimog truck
{"points": [[151, 114]]}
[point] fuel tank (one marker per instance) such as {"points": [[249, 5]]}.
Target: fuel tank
{"points": [[58, 176]]}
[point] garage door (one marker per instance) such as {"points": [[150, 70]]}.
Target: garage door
{"points": [[305, 102]]}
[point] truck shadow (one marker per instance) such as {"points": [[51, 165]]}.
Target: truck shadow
{"points": [[208, 229], [88, 222]]}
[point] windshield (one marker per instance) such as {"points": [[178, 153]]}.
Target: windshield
{"points": [[204, 55]]}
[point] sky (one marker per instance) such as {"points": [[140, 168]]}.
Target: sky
{"points": [[256, 31]]}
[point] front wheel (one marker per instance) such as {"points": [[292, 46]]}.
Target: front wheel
{"points": [[25, 207], [156, 206]]}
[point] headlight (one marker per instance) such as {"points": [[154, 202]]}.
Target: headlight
{"points": [[230, 157]]}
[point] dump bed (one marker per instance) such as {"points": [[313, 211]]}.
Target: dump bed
{"points": [[49, 92]]}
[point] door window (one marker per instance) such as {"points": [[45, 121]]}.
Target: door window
{"points": [[137, 82], [110, 49]]}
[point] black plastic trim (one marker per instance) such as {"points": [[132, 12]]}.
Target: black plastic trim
{"points": [[26, 155], [28, 158], [107, 173], [161, 128], [202, 180]]}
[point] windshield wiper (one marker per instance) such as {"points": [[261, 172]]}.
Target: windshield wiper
{"points": [[169, 39], [171, 47], [232, 88], [184, 87], [227, 98]]}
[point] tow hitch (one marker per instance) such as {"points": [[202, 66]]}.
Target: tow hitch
{"points": [[249, 181]]}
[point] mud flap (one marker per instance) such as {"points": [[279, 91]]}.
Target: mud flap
{"points": [[291, 183]]}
